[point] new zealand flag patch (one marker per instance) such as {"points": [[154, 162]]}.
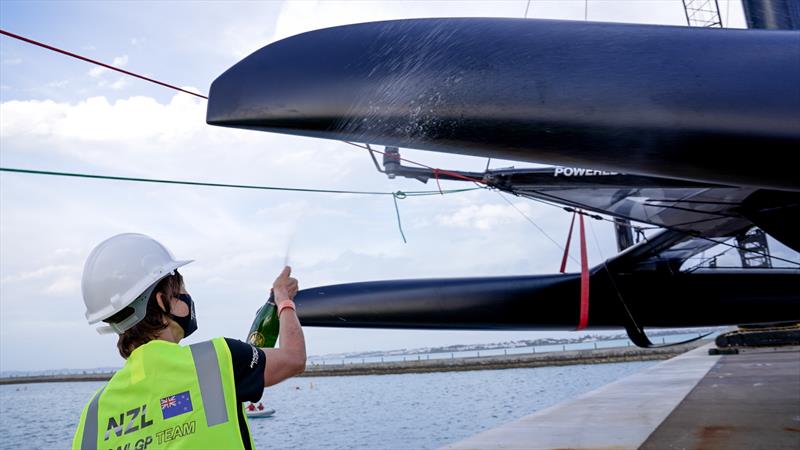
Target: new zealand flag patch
{"points": [[175, 405]]}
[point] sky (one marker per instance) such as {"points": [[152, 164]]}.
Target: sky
{"points": [[61, 114]]}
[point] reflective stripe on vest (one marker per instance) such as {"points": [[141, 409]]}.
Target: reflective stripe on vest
{"points": [[208, 375], [89, 439]]}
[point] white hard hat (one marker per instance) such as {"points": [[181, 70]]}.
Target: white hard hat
{"points": [[122, 272]]}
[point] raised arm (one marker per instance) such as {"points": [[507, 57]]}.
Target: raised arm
{"points": [[290, 358]]}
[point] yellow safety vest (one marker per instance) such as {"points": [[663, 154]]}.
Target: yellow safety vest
{"points": [[166, 396]]}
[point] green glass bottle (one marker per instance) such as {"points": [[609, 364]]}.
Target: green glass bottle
{"points": [[265, 328]]}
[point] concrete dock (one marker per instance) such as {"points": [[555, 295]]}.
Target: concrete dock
{"points": [[693, 401]]}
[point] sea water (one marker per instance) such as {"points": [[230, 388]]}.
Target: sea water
{"points": [[408, 411]]}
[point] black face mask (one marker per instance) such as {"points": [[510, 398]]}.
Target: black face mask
{"points": [[188, 322]]}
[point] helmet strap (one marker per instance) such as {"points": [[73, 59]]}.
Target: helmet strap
{"points": [[139, 311]]}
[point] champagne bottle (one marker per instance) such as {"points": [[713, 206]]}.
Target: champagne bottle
{"points": [[265, 328]]}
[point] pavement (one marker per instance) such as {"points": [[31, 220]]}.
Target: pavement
{"points": [[693, 401]]}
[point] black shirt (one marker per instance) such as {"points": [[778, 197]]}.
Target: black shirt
{"points": [[249, 363]]}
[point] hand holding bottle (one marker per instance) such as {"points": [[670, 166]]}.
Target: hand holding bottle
{"points": [[266, 325], [285, 287]]}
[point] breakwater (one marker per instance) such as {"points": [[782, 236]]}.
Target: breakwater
{"points": [[561, 358]]}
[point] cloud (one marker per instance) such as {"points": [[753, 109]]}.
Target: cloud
{"points": [[97, 119], [300, 16], [47, 272], [142, 136], [98, 71], [12, 61], [120, 61], [484, 217], [119, 84], [57, 84], [69, 285], [243, 39]]}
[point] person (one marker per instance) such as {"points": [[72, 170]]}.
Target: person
{"points": [[168, 395]]}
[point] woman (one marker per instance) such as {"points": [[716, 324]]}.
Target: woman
{"points": [[168, 395]]}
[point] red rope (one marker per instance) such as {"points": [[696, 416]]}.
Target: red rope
{"points": [[583, 318], [584, 315], [83, 58], [436, 173]]}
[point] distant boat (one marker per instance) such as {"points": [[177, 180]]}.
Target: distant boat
{"points": [[256, 412], [260, 414]]}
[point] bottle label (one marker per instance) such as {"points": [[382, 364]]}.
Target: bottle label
{"points": [[256, 339]]}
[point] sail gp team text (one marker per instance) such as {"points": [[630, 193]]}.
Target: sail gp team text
{"points": [[161, 437], [120, 427]]}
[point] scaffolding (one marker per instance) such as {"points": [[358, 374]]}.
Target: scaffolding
{"points": [[702, 13], [754, 250]]}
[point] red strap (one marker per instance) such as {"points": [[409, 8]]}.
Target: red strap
{"points": [[566, 249], [584, 317]]}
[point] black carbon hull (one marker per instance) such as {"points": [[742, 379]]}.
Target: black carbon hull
{"points": [[674, 102]]}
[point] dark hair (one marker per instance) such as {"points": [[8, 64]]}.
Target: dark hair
{"points": [[149, 327]]}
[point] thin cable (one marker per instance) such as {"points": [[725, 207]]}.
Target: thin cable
{"points": [[224, 185], [698, 202], [559, 202], [527, 6], [695, 222], [728, 14], [535, 199], [567, 245], [89, 60], [740, 248], [582, 213], [696, 211], [399, 224], [705, 260], [596, 241], [358, 145], [635, 227], [560, 247], [694, 235], [586, 10]]}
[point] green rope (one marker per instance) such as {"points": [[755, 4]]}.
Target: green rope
{"points": [[395, 196], [398, 194]]}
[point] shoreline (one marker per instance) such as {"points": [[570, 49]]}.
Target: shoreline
{"points": [[562, 358], [528, 360]]}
